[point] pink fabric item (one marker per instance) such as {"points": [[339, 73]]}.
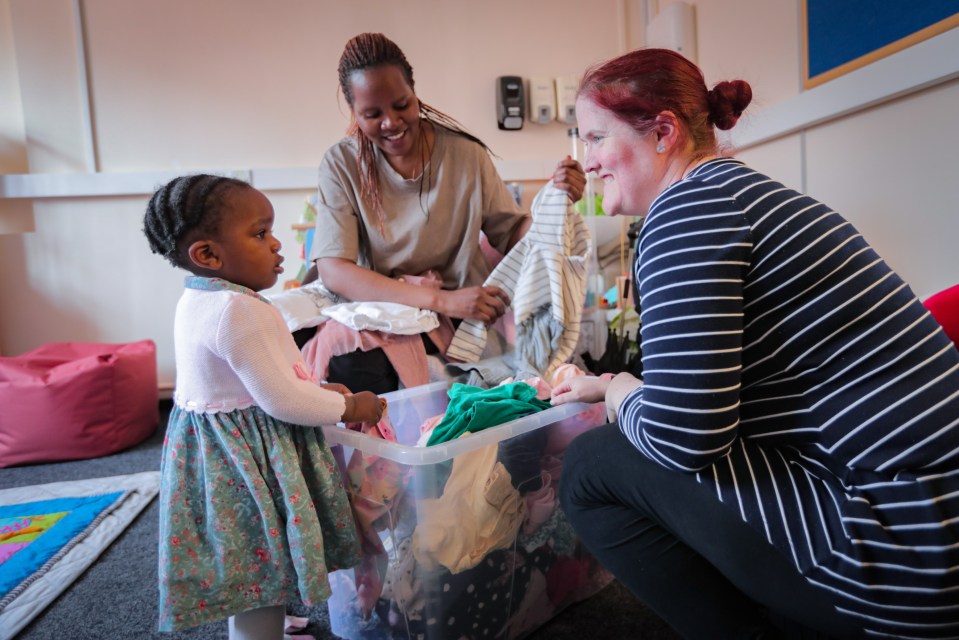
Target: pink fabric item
{"points": [[944, 307], [566, 577], [540, 505], [406, 353], [426, 429], [564, 433], [543, 388], [430, 424], [292, 624], [564, 372], [492, 256], [72, 401], [376, 486]]}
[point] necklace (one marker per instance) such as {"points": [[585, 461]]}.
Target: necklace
{"points": [[425, 159], [423, 150], [426, 149]]}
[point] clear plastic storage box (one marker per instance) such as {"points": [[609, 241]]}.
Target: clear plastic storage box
{"points": [[463, 539]]}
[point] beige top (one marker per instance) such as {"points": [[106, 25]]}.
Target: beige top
{"points": [[433, 222]]}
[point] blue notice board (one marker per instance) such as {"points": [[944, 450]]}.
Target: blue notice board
{"points": [[843, 35]]}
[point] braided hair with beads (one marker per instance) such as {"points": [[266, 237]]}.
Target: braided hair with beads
{"points": [[183, 210]]}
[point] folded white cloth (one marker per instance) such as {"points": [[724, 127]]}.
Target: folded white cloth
{"points": [[301, 307], [391, 317]]}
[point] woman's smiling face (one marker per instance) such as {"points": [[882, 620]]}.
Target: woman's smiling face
{"points": [[386, 109], [625, 160]]}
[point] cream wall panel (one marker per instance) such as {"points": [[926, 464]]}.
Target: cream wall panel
{"points": [[13, 149], [52, 85], [81, 276], [249, 83], [780, 159], [752, 40], [16, 216], [923, 65], [87, 274], [891, 171]]}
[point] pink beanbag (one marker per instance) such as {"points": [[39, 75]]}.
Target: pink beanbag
{"points": [[71, 401]]}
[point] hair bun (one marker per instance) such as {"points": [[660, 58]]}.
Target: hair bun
{"points": [[727, 101]]}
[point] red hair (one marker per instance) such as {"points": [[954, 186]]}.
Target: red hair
{"points": [[639, 85]]}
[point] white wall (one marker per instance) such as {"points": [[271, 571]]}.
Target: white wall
{"points": [[887, 168], [234, 83], [13, 153], [187, 86], [15, 216], [50, 67], [180, 85], [891, 170]]}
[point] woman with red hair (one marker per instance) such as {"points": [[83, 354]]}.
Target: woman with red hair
{"points": [[789, 463]]}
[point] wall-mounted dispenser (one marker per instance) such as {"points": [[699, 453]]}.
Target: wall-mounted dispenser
{"points": [[541, 98], [674, 27], [510, 102], [566, 87]]}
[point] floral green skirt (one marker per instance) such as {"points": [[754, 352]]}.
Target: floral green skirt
{"points": [[253, 513]]}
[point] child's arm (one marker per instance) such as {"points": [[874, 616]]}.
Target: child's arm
{"points": [[250, 338]]}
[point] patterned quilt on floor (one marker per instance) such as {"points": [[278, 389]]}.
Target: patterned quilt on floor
{"points": [[51, 533]]}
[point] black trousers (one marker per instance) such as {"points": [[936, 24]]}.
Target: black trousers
{"points": [[362, 370], [684, 554]]}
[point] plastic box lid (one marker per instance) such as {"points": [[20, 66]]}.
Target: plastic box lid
{"points": [[409, 408]]}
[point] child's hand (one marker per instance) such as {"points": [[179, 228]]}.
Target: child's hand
{"points": [[364, 406]]}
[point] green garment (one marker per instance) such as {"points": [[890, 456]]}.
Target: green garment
{"points": [[474, 409]]}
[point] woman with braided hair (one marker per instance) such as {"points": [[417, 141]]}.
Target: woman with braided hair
{"points": [[789, 464], [408, 191], [252, 512]]}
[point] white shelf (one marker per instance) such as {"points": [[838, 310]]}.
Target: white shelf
{"points": [[86, 185]]}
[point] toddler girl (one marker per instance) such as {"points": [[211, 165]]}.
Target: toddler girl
{"points": [[252, 511]]}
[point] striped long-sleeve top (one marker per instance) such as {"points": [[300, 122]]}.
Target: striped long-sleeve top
{"points": [[806, 386]]}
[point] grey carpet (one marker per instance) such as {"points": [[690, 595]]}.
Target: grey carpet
{"points": [[117, 597]]}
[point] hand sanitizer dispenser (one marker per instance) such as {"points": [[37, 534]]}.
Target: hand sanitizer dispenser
{"points": [[509, 102], [541, 99], [566, 87]]}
